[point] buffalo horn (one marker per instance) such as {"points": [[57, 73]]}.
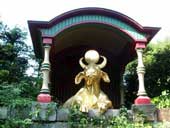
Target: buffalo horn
{"points": [[103, 64]]}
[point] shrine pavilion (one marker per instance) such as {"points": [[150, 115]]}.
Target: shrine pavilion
{"points": [[62, 41]]}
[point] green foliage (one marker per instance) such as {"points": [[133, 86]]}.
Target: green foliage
{"points": [[14, 54], [18, 110], [77, 118], [157, 76], [7, 93], [122, 121], [10, 96], [16, 123], [18, 97], [81, 120], [162, 101], [20, 103], [16, 92], [139, 117]]}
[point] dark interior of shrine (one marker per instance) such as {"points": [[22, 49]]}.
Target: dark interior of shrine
{"points": [[72, 43]]}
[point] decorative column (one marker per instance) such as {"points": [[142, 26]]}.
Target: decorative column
{"points": [[44, 95], [122, 88], [142, 95], [122, 95]]}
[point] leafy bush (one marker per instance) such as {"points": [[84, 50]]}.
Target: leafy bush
{"points": [[17, 90], [16, 123], [77, 118], [9, 93], [162, 101], [81, 120]]}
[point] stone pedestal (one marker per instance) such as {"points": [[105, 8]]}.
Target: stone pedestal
{"points": [[112, 112], [148, 110], [108, 113], [63, 114], [44, 111]]}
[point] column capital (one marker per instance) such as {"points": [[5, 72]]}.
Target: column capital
{"points": [[140, 44], [47, 40]]}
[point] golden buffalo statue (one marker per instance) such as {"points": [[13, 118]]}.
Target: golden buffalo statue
{"points": [[90, 96]]}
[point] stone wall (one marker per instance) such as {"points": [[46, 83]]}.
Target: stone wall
{"points": [[49, 115]]}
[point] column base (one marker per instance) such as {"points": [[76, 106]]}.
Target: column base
{"points": [[44, 98], [146, 112], [142, 100]]}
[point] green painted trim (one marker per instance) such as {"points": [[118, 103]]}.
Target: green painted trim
{"points": [[140, 69], [52, 31], [47, 46], [46, 91], [45, 66]]}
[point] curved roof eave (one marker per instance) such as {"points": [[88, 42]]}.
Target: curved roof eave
{"points": [[35, 26], [91, 10]]}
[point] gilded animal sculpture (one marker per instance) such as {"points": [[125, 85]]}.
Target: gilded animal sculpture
{"points": [[90, 96]]}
